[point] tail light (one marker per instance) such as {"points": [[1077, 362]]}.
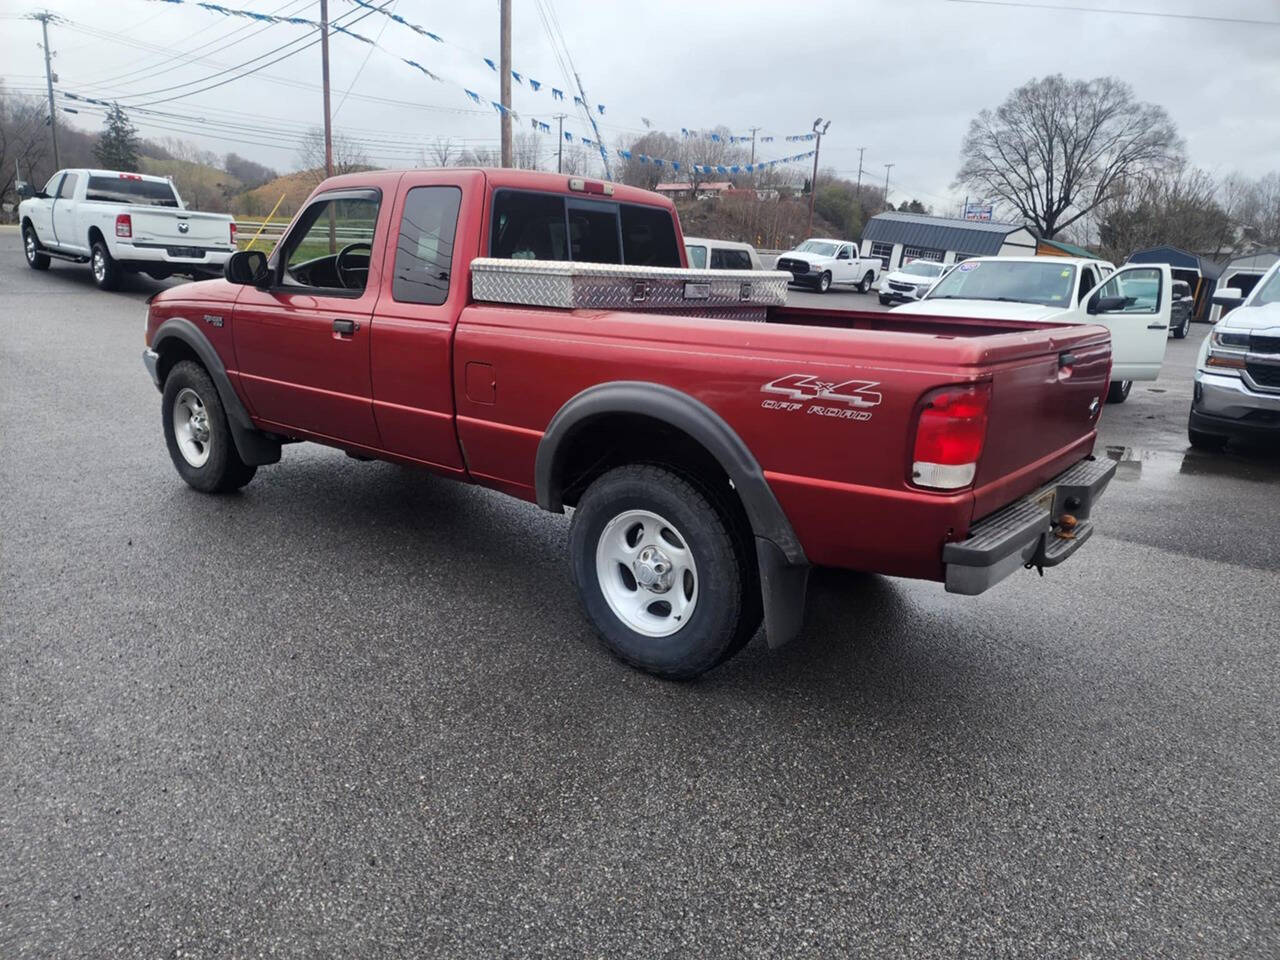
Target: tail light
{"points": [[124, 225], [949, 436], [233, 233]]}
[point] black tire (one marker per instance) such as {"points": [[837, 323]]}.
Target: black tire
{"points": [[106, 272], [727, 610], [1211, 442], [824, 282], [884, 301], [1181, 332], [1118, 392], [222, 471], [31, 249], [864, 286]]}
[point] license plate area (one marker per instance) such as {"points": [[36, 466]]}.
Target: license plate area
{"points": [[1046, 498]]}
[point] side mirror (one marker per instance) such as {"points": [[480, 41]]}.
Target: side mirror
{"points": [[1101, 304], [24, 190], [247, 267], [1228, 297]]}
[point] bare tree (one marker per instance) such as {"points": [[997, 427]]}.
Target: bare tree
{"points": [[1057, 149], [24, 142], [479, 157], [1179, 207], [1259, 212], [526, 149], [442, 151], [348, 155]]}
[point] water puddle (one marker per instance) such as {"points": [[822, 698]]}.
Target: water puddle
{"points": [[1164, 466]]}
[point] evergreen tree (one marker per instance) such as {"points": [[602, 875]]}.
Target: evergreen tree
{"points": [[117, 146]]}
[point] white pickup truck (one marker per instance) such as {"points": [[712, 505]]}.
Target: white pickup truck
{"points": [[121, 223], [822, 264], [1134, 303]]}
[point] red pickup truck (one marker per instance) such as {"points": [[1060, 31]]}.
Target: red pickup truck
{"points": [[712, 455]]}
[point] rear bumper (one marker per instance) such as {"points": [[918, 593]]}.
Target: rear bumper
{"points": [[1029, 531], [175, 257]]}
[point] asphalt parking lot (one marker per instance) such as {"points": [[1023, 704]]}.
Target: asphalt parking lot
{"points": [[356, 712]]}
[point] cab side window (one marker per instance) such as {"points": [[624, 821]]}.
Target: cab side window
{"points": [[51, 188], [330, 245], [424, 248], [68, 187], [697, 256], [1138, 289], [843, 254], [1087, 282]]}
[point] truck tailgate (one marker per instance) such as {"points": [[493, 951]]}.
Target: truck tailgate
{"points": [[1043, 415], [164, 225]]}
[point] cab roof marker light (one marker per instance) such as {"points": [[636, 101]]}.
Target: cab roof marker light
{"points": [[582, 185]]}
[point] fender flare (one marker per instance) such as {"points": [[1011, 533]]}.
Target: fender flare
{"points": [[255, 447], [784, 568]]}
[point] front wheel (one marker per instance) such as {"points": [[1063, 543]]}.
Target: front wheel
{"points": [[31, 247], [884, 301], [1118, 392], [106, 273], [865, 285], [1200, 440], [824, 283], [666, 576], [197, 434]]}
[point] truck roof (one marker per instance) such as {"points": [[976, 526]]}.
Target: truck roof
{"points": [[500, 177], [121, 174]]}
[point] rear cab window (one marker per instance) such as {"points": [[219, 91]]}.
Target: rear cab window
{"points": [[127, 189], [723, 258], [530, 225]]}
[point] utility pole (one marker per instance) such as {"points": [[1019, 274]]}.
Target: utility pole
{"points": [[324, 79], [560, 142], [504, 81], [861, 151], [813, 184], [887, 168], [753, 151], [44, 19]]}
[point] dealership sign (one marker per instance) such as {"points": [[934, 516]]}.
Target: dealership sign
{"points": [[977, 211]]}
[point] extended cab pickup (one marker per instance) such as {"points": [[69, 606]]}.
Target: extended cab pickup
{"points": [[121, 223], [823, 264], [712, 453]]}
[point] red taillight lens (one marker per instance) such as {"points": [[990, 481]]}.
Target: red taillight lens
{"points": [[124, 225], [233, 233], [949, 436]]}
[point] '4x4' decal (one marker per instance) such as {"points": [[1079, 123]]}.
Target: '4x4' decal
{"points": [[799, 386]]}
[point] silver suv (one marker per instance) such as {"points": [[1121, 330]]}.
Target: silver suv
{"points": [[1237, 390]]}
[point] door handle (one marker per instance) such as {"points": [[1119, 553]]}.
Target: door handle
{"points": [[1157, 326], [347, 327]]}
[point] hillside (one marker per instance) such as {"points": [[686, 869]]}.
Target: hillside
{"points": [[295, 187]]}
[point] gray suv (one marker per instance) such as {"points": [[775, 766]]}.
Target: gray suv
{"points": [[1237, 388]]}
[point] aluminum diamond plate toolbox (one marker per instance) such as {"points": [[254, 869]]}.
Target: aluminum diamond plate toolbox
{"points": [[608, 286]]}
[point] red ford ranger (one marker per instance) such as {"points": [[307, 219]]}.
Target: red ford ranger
{"points": [[538, 334]]}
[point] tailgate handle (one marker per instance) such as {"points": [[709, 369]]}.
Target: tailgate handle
{"points": [[1066, 359]]}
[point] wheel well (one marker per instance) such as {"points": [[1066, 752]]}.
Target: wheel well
{"points": [[173, 351], [95, 234], [603, 442]]}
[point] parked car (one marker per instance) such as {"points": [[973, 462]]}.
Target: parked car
{"points": [[1134, 303], [822, 264], [710, 459], [911, 281], [1237, 385], [121, 223], [721, 254], [1183, 306]]}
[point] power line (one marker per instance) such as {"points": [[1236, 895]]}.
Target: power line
{"points": [[1118, 12]]}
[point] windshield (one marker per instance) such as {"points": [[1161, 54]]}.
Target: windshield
{"points": [[918, 269], [823, 248], [1020, 281], [1270, 291], [152, 193]]}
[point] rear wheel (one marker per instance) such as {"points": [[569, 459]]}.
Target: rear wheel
{"points": [[197, 434], [31, 247], [865, 285], [824, 283], [665, 573], [1118, 392], [1181, 332], [106, 273]]}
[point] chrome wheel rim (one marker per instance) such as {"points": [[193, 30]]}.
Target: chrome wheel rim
{"points": [[99, 266], [825, 282], [29, 242], [191, 427], [647, 573]]}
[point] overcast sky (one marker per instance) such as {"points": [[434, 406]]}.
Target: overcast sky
{"points": [[899, 77]]}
